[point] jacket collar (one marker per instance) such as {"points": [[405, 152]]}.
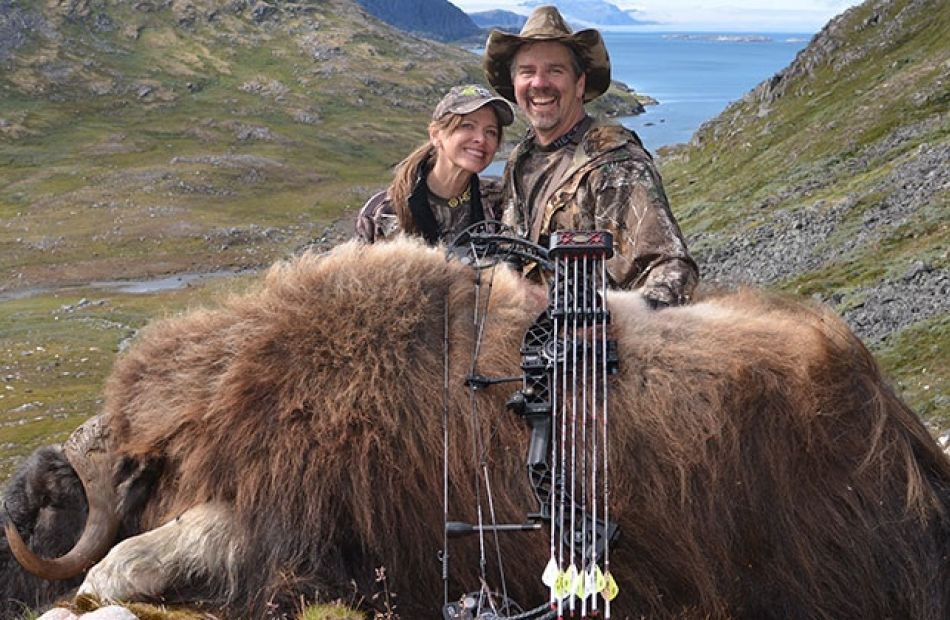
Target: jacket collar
{"points": [[422, 211]]}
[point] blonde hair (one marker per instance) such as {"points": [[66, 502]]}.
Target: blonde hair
{"points": [[407, 171]]}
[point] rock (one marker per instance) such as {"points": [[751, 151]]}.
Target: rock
{"points": [[917, 268], [262, 11], [111, 612], [58, 613]]}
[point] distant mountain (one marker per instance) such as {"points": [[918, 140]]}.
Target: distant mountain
{"points": [[502, 20], [831, 180], [435, 19], [589, 12]]}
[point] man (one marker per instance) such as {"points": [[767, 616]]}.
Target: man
{"points": [[571, 172]]}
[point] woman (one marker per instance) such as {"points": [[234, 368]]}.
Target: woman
{"points": [[436, 192]]}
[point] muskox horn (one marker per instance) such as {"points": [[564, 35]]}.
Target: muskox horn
{"points": [[87, 450]]}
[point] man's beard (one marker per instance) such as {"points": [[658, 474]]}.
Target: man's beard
{"points": [[549, 118]]}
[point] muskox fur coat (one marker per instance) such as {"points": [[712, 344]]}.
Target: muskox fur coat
{"points": [[761, 466]]}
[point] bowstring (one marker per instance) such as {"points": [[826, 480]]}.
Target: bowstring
{"points": [[585, 328], [596, 310], [573, 494], [555, 403], [603, 287], [445, 449], [563, 468]]}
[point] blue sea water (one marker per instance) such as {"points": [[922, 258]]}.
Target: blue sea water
{"points": [[693, 75]]}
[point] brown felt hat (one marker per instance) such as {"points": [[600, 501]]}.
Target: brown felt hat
{"points": [[546, 24]]}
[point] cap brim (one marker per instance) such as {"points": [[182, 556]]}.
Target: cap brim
{"points": [[503, 109]]}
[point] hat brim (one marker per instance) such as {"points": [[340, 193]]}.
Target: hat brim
{"points": [[500, 49]]}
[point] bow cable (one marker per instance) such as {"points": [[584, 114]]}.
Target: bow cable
{"points": [[479, 445]]}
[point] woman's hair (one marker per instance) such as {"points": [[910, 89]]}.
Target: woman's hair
{"points": [[407, 171]]}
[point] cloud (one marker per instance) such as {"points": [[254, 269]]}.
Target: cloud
{"points": [[735, 15], [802, 15]]}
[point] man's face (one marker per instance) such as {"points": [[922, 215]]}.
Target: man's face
{"points": [[547, 88]]}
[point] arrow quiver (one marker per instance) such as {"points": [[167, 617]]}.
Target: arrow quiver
{"points": [[559, 340]]}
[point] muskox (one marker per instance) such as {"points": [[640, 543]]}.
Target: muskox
{"points": [[287, 444]]}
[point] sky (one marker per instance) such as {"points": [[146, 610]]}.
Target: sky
{"points": [[805, 16]]}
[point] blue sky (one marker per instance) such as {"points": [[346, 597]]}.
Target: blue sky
{"points": [[717, 15]]}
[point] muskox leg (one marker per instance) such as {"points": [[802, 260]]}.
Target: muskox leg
{"points": [[180, 556]]}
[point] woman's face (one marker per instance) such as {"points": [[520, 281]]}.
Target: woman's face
{"points": [[472, 145]]}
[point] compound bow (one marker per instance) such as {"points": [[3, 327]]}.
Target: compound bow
{"points": [[566, 359]]}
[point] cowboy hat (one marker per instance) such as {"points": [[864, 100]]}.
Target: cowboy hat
{"points": [[546, 24]]}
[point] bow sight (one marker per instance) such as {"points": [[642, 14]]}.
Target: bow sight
{"points": [[566, 359]]}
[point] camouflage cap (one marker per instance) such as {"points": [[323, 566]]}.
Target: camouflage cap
{"points": [[467, 98], [546, 24]]}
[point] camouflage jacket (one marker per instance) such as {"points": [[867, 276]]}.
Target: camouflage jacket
{"points": [[377, 218], [612, 184]]}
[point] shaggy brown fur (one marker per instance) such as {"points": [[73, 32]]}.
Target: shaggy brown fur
{"points": [[761, 465]]}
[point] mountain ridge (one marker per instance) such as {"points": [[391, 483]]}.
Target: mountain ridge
{"points": [[437, 19], [501, 19], [587, 13]]}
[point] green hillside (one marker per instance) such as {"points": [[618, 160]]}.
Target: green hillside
{"points": [[146, 137], [832, 180], [143, 137]]}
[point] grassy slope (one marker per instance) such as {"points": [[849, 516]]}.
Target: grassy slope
{"points": [[138, 148], [758, 159]]}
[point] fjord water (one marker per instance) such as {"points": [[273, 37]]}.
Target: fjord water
{"points": [[694, 76]]}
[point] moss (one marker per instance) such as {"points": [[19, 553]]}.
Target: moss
{"points": [[330, 612], [916, 358]]}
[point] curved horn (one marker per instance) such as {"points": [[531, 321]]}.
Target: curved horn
{"points": [[87, 450]]}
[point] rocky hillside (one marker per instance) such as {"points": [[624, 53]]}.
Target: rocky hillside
{"points": [[503, 20], [831, 179]]}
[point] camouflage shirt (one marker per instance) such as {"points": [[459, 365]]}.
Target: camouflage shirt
{"points": [[377, 218], [602, 179]]}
